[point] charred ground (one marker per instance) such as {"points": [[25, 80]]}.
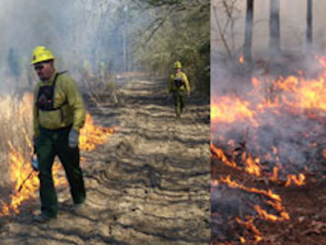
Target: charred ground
{"points": [[305, 205]]}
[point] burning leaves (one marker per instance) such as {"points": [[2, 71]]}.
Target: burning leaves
{"points": [[253, 204], [275, 133], [25, 180], [280, 122]]}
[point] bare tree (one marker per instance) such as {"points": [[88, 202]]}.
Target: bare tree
{"points": [[274, 27], [226, 28], [248, 33], [309, 25]]}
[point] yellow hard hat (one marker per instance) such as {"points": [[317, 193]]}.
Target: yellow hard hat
{"points": [[41, 54], [177, 65]]}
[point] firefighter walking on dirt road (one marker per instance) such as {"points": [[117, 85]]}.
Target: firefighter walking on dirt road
{"points": [[179, 84], [58, 114]]}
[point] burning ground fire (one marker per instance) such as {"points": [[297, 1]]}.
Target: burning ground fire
{"points": [[25, 180], [274, 132]]}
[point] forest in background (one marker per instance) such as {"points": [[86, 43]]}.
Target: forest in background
{"points": [[110, 35]]}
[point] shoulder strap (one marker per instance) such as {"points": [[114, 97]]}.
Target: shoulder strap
{"points": [[48, 105], [56, 76]]}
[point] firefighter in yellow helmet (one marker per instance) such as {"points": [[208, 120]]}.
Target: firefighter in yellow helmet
{"points": [[58, 113], [179, 84]]}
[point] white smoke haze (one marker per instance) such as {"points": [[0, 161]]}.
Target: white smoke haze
{"points": [[298, 135], [77, 32], [293, 26]]}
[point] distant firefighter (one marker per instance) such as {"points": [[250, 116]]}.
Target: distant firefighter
{"points": [[179, 84]]}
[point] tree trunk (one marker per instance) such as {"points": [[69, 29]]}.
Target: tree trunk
{"points": [[274, 28], [309, 25], [248, 34]]}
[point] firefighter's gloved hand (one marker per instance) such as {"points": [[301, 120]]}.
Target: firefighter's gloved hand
{"points": [[34, 162], [73, 138]]}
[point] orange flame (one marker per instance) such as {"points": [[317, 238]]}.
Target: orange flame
{"points": [[264, 215], [274, 177], [220, 154], [234, 184], [241, 59], [250, 225], [297, 93], [21, 169], [252, 165], [91, 135], [228, 110], [294, 95], [300, 180], [276, 202]]}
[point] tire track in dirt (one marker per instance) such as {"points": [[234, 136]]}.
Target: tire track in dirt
{"points": [[149, 184]]}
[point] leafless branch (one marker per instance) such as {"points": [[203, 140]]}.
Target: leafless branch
{"points": [[222, 33]]}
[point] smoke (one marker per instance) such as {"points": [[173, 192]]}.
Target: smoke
{"points": [[290, 138], [77, 32], [281, 122], [293, 23]]}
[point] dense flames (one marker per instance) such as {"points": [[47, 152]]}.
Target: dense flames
{"points": [[25, 180], [243, 122], [272, 131], [92, 135]]}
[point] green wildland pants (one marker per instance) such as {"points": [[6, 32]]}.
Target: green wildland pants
{"points": [[53, 143], [179, 101]]}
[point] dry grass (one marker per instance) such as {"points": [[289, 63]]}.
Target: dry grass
{"points": [[100, 89], [16, 120], [15, 127]]}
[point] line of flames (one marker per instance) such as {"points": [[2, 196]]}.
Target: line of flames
{"points": [[275, 202], [252, 167], [295, 95]]}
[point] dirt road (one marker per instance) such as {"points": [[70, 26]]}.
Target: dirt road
{"points": [[149, 184]]}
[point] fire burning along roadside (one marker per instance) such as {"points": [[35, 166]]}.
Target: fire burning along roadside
{"points": [[274, 132], [24, 186]]}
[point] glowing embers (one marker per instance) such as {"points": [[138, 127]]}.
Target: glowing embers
{"points": [[252, 166], [236, 207], [272, 131]]}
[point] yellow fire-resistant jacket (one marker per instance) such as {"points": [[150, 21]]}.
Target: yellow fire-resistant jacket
{"points": [[66, 94], [185, 79]]}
